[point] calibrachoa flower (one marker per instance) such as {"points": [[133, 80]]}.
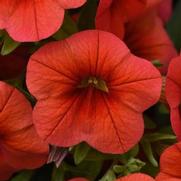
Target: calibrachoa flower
{"points": [[90, 88], [141, 37], [113, 14], [20, 146], [33, 20], [170, 164], [131, 177], [173, 94], [139, 27], [165, 10], [136, 177]]}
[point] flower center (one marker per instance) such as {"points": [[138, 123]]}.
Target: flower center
{"points": [[94, 82]]}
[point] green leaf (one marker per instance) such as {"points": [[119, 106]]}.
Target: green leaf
{"points": [[148, 152], [68, 28], [9, 45], [58, 174], [149, 124], [118, 169], [128, 155], [150, 170], [153, 137], [87, 169], [109, 176], [157, 63], [162, 108], [87, 15], [80, 152], [174, 26], [23, 176]]}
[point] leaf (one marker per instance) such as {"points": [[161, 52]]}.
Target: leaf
{"points": [[174, 26], [87, 15], [23, 176], [87, 169], [81, 152], [58, 174], [109, 176], [157, 63], [68, 28], [148, 152], [9, 45], [153, 137], [149, 124]]}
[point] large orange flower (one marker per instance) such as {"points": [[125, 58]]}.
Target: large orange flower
{"points": [[33, 20], [20, 147], [170, 164], [90, 88], [173, 94]]}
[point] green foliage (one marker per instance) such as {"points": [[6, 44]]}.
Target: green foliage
{"points": [[174, 26], [9, 45], [80, 152]]}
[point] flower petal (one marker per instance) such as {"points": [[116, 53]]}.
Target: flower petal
{"points": [[113, 14], [34, 20], [6, 170], [136, 177], [19, 139], [142, 38], [68, 4], [170, 163], [173, 93]]}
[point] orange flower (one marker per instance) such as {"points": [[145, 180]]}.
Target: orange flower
{"points": [[29, 20], [138, 25], [147, 38], [113, 14], [131, 177], [173, 94], [165, 10], [90, 88], [170, 164], [20, 147], [136, 177]]}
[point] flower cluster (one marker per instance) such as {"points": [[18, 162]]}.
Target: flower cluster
{"points": [[85, 84]]}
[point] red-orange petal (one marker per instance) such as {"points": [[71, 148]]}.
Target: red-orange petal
{"points": [[170, 163], [33, 20], [173, 94], [142, 38], [19, 140], [136, 177], [6, 169], [66, 115], [113, 14]]}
